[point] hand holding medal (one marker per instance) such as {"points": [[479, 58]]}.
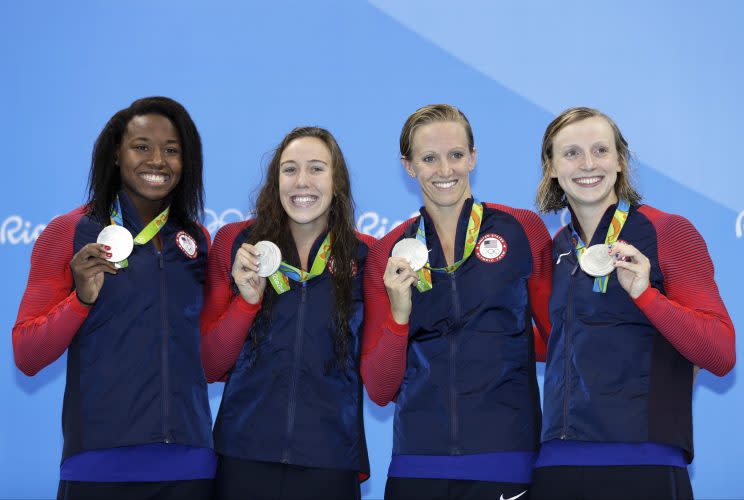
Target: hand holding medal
{"points": [[596, 261], [633, 268], [413, 251], [252, 265], [119, 241], [408, 256], [88, 266]]}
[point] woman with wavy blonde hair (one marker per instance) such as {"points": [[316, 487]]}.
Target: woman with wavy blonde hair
{"points": [[634, 309]]}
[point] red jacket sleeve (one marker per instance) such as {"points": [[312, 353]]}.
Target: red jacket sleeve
{"points": [[384, 342], [540, 281], [50, 313], [691, 314], [226, 317]]}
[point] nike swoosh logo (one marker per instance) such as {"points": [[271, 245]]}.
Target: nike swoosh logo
{"points": [[514, 497]]}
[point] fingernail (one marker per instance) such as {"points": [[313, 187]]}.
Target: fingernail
{"points": [[108, 254], [106, 247]]}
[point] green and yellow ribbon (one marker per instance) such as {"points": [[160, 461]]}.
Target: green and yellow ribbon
{"points": [[471, 237], [280, 279], [146, 234], [613, 233]]}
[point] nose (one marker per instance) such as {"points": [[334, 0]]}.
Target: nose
{"points": [[302, 177], [588, 162], [158, 158], [446, 169]]}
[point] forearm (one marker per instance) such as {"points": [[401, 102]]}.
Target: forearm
{"points": [[706, 339], [384, 365], [40, 340], [223, 339]]}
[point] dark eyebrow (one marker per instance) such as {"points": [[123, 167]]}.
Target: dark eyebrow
{"points": [[147, 139]]}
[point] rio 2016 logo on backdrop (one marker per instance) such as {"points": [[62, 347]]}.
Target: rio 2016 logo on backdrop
{"points": [[15, 230], [374, 224]]}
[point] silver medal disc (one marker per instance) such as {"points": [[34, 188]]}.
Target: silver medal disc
{"points": [[270, 259], [596, 261], [414, 251], [119, 239]]}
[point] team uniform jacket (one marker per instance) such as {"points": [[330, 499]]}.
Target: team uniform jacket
{"points": [[286, 400], [462, 371], [621, 370], [134, 375]]}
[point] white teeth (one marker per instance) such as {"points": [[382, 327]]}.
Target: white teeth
{"points": [[304, 200], [154, 178], [444, 185], [587, 180]]}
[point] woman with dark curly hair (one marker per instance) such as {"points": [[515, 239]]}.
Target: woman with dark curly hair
{"points": [[117, 283], [290, 423], [634, 309]]}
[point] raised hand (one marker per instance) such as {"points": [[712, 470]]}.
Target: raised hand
{"points": [[88, 266], [398, 279], [245, 274], [633, 268]]}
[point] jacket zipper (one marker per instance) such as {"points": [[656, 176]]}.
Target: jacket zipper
{"points": [[567, 351], [164, 346], [295, 367], [454, 448]]}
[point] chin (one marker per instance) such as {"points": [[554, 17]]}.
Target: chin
{"points": [[304, 218], [593, 200], [448, 200]]}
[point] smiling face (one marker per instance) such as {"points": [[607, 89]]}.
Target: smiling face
{"points": [[306, 181], [149, 160], [585, 163], [441, 161]]}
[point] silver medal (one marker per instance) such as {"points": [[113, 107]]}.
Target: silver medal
{"points": [[596, 262], [414, 251], [119, 239], [270, 258]]}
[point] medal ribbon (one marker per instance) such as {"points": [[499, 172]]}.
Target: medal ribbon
{"points": [[146, 234], [280, 279], [471, 236], [613, 233]]}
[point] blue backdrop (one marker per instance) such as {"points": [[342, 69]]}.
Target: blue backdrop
{"points": [[670, 73]]}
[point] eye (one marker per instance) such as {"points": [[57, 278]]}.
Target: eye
{"points": [[572, 154], [601, 151], [288, 169], [429, 159], [457, 155], [141, 147], [171, 151], [317, 167]]}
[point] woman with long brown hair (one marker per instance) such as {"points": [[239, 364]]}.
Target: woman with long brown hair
{"points": [[290, 422]]}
